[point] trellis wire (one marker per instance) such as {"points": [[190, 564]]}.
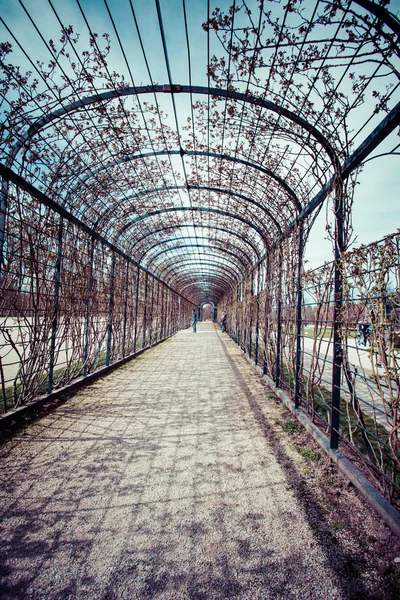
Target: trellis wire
{"points": [[70, 303], [264, 321]]}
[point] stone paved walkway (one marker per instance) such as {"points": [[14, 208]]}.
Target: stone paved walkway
{"points": [[165, 480]]}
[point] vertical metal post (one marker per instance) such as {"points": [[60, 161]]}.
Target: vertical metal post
{"points": [[265, 321], [171, 314], [297, 391], [146, 281], [165, 317], [136, 307], [250, 332], [88, 301], [257, 334], [152, 312], [179, 311], [54, 325], [279, 324], [125, 308], [162, 312], [110, 310], [238, 327], [167, 314], [158, 316], [3, 213], [278, 345], [267, 304], [337, 323], [257, 314]]}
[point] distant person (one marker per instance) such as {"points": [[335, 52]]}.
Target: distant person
{"points": [[363, 332], [194, 321], [360, 332], [223, 322], [367, 333]]}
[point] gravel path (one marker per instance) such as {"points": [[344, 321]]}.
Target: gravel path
{"points": [[173, 478]]}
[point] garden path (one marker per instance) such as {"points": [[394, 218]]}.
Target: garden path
{"points": [[172, 478]]}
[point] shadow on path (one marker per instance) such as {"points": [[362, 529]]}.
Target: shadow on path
{"points": [[159, 482]]}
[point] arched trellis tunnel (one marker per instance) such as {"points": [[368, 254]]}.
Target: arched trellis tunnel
{"points": [[125, 207]]}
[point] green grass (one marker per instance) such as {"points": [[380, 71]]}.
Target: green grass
{"points": [[325, 333], [309, 453], [291, 426]]}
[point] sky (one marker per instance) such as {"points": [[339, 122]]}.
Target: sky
{"points": [[376, 210]]}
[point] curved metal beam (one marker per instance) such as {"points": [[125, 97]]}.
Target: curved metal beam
{"points": [[167, 270], [227, 157], [198, 237], [203, 302], [213, 281], [229, 231], [200, 254], [200, 268], [220, 282], [220, 289], [382, 14], [174, 88], [217, 291], [190, 208], [191, 187]]}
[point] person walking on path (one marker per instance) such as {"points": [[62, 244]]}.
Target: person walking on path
{"points": [[194, 321], [223, 322]]}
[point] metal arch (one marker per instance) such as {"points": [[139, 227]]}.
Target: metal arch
{"points": [[212, 279], [229, 266], [208, 279], [190, 208], [220, 285], [203, 302], [219, 290], [8, 175], [215, 277], [198, 267], [185, 89], [383, 129], [381, 13], [167, 268], [201, 237], [246, 163], [215, 280], [230, 232], [191, 187], [165, 250]]}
